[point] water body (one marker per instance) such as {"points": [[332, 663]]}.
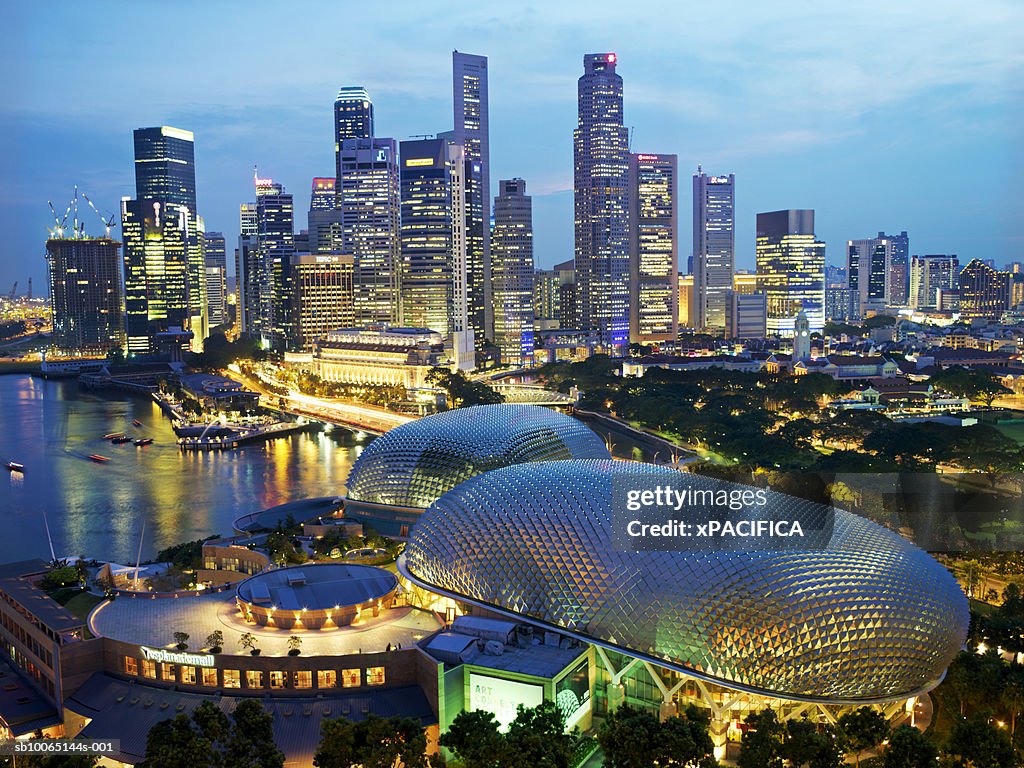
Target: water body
{"points": [[99, 510]]}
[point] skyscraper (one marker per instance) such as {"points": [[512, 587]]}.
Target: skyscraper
{"points": [[275, 246], [368, 196], [433, 276], [984, 291], [215, 258], [899, 268], [601, 171], [353, 119], [323, 296], [930, 274], [324, 218], [868, 269], [653, 252], [247, 277], [469, 90], [512, 269], [85, 293], [790, 270], [714, 248]]}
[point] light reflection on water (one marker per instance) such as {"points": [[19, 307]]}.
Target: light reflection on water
{"points": [[98, 509]]}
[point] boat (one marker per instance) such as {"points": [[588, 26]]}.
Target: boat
{"points": [[121, 439], [97, 457], [136, 422], [144, 441], [112, 435], [14, 466]]}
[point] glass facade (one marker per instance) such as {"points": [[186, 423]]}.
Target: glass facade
{"points": [[714, 249], [85, 293], [275, 246], [653, 255], [790, 270], [512, 270]]}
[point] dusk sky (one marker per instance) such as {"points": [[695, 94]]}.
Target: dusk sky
{"points": [[879, 115]]}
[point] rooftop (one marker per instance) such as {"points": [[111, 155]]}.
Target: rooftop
{"points": [[317, 587]]}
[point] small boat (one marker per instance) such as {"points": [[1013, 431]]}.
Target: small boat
{"points": [[144, 441], [14, 466], [121, 439], [136, 422], [112, 435], [97, 457]]}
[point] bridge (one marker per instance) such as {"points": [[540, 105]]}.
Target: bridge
{"points": [[526, 394]]}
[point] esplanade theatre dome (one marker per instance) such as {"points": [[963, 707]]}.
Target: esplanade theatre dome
{"points": [[868, 618], [412, 465]]}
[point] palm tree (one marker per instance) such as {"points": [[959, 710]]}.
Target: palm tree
{"points": [[1012, 697]]}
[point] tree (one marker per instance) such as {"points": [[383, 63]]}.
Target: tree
{"points": [[251, 740], [978, 744], [537, 738], [294, 645], [805, 743], [116, 356], [461, 392], [863, 729], [474, 739], [215, 641], [629, 738], [377, 742], [908, 748], [762, 744], [248, 640], [181, 640]]}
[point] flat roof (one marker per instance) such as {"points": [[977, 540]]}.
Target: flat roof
{"points": [[34, 600], [23, 708], [318, 587]]}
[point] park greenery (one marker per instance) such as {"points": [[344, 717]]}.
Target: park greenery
{"points": [[637, 738], [376, 742], [535, 739], [382, 395], [461, 392]]}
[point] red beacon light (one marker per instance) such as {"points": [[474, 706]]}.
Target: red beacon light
{"points": [[611, 58]]}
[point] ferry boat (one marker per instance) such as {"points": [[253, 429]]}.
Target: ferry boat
{"points": [[144, 441], [136, 422], [121, 439], [14, 466], [96, 457], [112, 435]]}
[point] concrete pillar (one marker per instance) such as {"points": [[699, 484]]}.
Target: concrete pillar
{"points": [[717, 731]]}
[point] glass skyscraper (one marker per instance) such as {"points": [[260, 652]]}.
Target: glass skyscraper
{"points": [[275, 246], [653, 256], [601, 171], [353, 119], [215, 258], [512, 269], [714, 248], [899, 268], [930, 274], [85, 293], [868, 264], [790, 270]]}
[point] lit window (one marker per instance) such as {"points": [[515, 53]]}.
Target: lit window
{"points": [[167, 672], [326, 678], [188, 675], [375, 675], [210, 677], [254, 679], [131, 666], [278, 679], [351, 678], [232, 678], [149, 669], [304, 679]]}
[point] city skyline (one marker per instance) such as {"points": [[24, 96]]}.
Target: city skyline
{"points": [[697, 101]]}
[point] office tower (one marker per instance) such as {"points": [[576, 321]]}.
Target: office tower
{"points": [[433, 273], [929, 274], [714, 248], [324, 218], [984, 291], [353, 119], [790, 269], [546, 305], [899, 268], [837, 294], [687, 311], [323, 296], [600, 183], [653, 251], [275, 246], [215, 259], [868, 265], [744, 282], [746, 315], [368, 196], [512, 269], [246, 272], [566, 293], [85, 293], [165, 170]]}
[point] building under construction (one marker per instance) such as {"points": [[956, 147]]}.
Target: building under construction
{"points": [[85, 290]]}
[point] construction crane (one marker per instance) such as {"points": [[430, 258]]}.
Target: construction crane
{"points": [[77, 227], [108, 222], [14, 291]]}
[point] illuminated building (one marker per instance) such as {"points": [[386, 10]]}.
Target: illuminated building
{"points": [[837, 294], [247, 272], [687, 308], [469, 89], [323, 295], [85, 293], [512, 267], [899, 268], [868, 269], [324, 219], [746, 314], [928, 275], [433, 277], [353, 119], [546, 302], [714, 249], [653, 254], [275, 246], [744, 282], [601, 186], [790, 269], [378, 355], [984, 291], [215, 258], [368, 199]]}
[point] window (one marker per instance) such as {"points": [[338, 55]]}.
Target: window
{"points": [[304, 679], [131, 666], [278, 679], [149, 668], [351, 678], [188, 675], [326, 678], [232, 678], [167, 672], [210, 677], [254, 679], [375, 676]]}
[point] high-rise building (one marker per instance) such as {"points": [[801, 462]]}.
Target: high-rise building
{"points": [[247, 277], [744, 282], [601, 192], [746, 315], [433, 273], [868, 268], [165, 177], [275, 246], [928, 275], [546, 306], [837, 294], [653, 252], [368, 198], [512, 269], [714, 248], [215, 258], [353, 119], [790, 270], [85, 293], [899, 268], [984, 291], [686, 301], [469, 90], [324, 219], [323, 296]]}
